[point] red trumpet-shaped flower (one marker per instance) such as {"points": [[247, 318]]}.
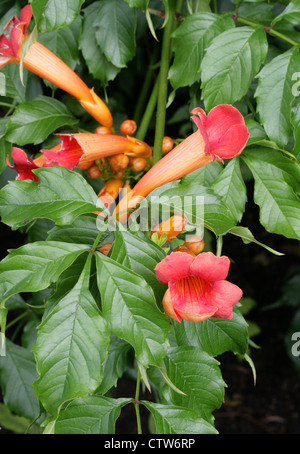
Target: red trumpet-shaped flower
{"points": [[221, 134], [197, 286], [41, 61], [24, 166]]}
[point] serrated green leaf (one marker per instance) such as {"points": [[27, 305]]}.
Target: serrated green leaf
{"points": [[230, 185], [82, 230], [13, 85], [276, 179], [128, 305], [17, 373], [256, 131], [230, 64], [172, 419], [33, 121], [215, 335], [90, 415], [141, 256], [205, 175], [191, 39], [53, 14], [296, 124], [5, 148], [35, 266], [196, 374], [116, 24], [274, 95], [71, 347], [291, 13], [60, 195], [97, 63], [200, 205]]}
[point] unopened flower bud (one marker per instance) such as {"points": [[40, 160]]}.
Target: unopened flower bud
{"points": [[138, 164], [195, 244], [103, 130], [94, 172], [172, 227], [167, 144], [182, 248], [105, 248], [128, 127], [119, 161]]}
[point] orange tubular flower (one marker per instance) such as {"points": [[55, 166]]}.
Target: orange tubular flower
{"points": [[197, 286], [110, 191], [171, 227], [44, 63], [221, 134]]}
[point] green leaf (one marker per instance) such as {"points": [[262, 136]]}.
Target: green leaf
{"points": [[141, 4], [205, 175], [12, 422], [116, 23], [230, 185], [115, 363], [247, 237], [141, 256], [215, 335], [53, 14], [200, 205], [128, 305], [35, 266], [172, 419], [83, 230], [296, 124], [96, 61], [71, 347], [13, 85], [90, 415], [274, 95], [230, 64], [256, 131], [60, 195], [5, 148], [276, 179], [198, 375], [291, 13], [17, 373], [34, 120], [191, 39]]}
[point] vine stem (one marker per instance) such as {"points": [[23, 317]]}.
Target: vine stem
{"points": [[270, 30], [143, 128], [136, 402], [219, 246], [163, 86]]}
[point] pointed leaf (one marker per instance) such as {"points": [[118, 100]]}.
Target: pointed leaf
{"points": [[60, 195], [172, 419], [247, 237], [33, 121], [17, 374], [90, 415], [71, 347], [274, 95], [191, 39], [35, 266], [128, 305], [291, 13], [230, 64], [53, 14]]}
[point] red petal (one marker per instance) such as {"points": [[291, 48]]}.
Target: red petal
{"points": [[174, 267], [223, 296], [22, 165], [232, 143], [69, 154], [25, 16], [210, 267]]}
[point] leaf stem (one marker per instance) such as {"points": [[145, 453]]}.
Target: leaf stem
{"points": [[136, 402], [163, 86], [269, 30], [219, 246], [144, 125]]}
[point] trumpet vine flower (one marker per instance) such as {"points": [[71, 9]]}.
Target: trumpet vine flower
{"points": [[24, 166], [222, 134], [197, 286], [41, 61]]}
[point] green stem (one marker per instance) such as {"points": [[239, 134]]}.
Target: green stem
{"points": [[271, 31], [163, 86], [144, 125], [136, 404], [6, 104], [15, 320], [219, 246]]}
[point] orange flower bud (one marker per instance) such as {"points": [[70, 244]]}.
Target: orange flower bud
{"points": [[137, 164], [94, 172], [172, 227], [128, 127], [118, 174], [103, 130], [105, 248], [167, 145], [119, 161], [84, 165], [195, 244], [182, 248]]}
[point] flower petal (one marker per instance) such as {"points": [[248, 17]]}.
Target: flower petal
{"points": [[210, 267], [223, 296], [232, 143], [22, 165], [174, 267], [69, 153]]}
